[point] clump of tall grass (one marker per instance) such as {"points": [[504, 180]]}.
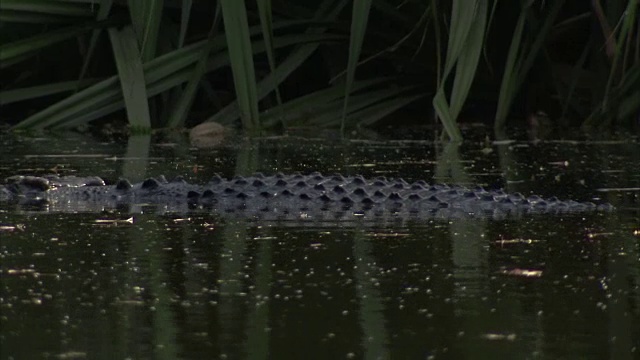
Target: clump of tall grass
{"points": [[332, 63]]}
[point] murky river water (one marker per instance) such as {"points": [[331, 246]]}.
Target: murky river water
{"points": [[137, 284]]}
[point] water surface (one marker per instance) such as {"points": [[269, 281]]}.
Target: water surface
{"points": [[135, 283]]}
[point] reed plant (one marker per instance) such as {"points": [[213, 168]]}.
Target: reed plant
{"points": [[274, 64]]}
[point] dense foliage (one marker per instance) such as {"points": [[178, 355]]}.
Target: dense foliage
{"points": [[278, 63]]}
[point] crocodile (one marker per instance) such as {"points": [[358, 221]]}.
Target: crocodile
{"points": [[280, 196]]}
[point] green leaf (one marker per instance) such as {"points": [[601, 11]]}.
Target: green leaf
{"points": [[520, 61], [180, 110], [51, 7], [22, 49], [145, 17], [359, 19], [266, 23], [15, 95], [131, 74], [241, 58], [468, 21], [185, 15], [304, 106], [468, 60], [104, 8]]}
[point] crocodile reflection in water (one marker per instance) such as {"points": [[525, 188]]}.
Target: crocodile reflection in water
{"points": [[282, 197]]}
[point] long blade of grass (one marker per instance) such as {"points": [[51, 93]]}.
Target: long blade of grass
{"points": [[78, 103], [266, 23], [15, 95], [577, 69], [468, 60], [180, 111], [104, 8], [463, 14], [131, 74], [145, 17], [539, 40], [627, 28], [332, 113], [375, 113], [51, 7], [23, 49], [441, 107], [507, 86], [309, 104], [185, 15], [244, 77], [359, 19], [22, 17], [438, 41], [519, 62]]}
